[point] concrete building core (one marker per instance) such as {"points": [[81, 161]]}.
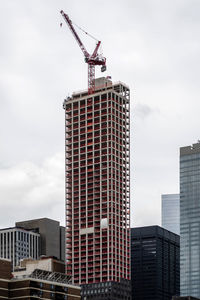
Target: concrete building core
{"points": [[98, 188]]}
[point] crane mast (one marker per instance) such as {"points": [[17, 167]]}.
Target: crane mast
{"points": [[91, 59]]}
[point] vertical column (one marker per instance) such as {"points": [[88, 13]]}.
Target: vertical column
{"points": [[29, 248], [14, 248], [10, 245], [86, 182], [120, 181], [100, 189], [7, 244], [128, 185], [109, 174], [31, 245], [116, 195], [122, 200], [72, 188], [112, 192], [68, 186], [35, 237], [3, 245], [79, 189]]}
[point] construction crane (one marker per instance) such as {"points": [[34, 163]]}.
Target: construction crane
{"points": [[92, 60]]}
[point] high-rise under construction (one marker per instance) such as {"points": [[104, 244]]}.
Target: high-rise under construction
{"points": [[98, 190]]}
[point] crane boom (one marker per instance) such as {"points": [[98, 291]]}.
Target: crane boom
{"points": [[92, 60], [96, 50], [69, 23]]}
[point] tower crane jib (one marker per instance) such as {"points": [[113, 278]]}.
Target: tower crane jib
{"points": [[91, 59]]}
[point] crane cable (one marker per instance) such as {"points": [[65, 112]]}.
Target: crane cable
{"points": [[101, 51], [85, 32]]}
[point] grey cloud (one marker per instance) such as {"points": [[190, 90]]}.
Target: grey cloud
{"points": [[143, 110], [29, 190], [153, 46]]}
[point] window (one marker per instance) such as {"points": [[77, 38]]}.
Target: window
{"points": [[40, 293]]}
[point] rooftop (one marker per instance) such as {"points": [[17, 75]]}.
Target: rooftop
{"points": [[19, 229], [101, 84], [45, 275], [193, 149]]}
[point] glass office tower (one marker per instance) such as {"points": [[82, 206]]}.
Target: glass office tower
{"points": [[171, 212], [190, 220]]}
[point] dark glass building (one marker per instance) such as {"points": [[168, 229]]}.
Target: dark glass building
{"points": [[155, 263]]}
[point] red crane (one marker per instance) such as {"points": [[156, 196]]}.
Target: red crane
{"points": [[92, 60]]}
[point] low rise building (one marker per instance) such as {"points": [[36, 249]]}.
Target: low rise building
{"points": [[32, 239], [5, 276], [30, 282]]}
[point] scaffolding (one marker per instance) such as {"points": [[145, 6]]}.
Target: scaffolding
{"points": [[50, 276]]}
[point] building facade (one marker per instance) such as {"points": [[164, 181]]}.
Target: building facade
{"points": [[37, 284], [52, 236], [17, 244], [98, 186], [5, 276], [155, 263], [184, 298], [190, 219], [171, 212]]}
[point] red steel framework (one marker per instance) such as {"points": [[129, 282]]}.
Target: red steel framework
{"points": [[98, 184], [92, 60]]}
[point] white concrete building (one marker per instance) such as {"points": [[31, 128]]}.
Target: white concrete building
{"points": [[17, 244]]}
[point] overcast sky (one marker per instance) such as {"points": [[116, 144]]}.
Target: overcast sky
{"points": [[151, 45]]}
